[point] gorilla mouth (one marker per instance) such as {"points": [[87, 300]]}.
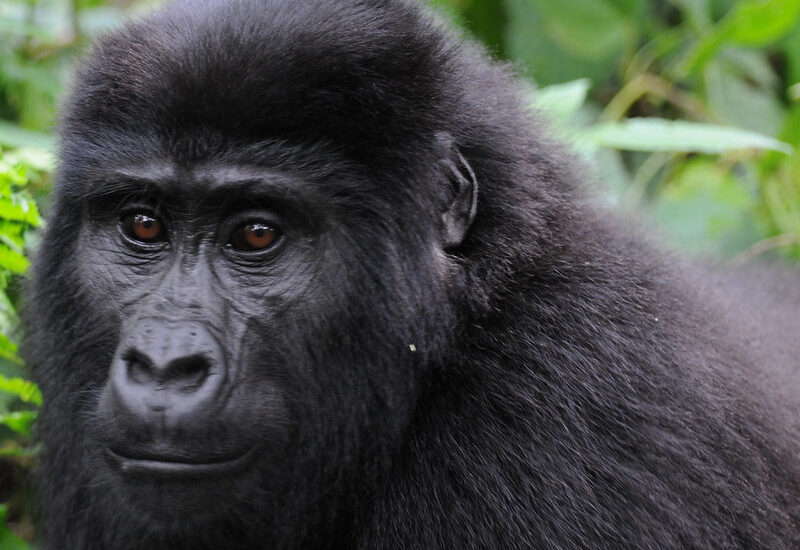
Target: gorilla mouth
{"points": [[171, 467]]}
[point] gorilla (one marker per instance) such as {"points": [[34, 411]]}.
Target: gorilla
{"points": [[314, 278]]}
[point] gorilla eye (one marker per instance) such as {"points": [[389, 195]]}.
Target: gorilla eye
{"points": [[253, 237], [143, 228]]}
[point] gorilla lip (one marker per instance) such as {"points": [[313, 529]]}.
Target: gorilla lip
{"points": [[167, 467]]}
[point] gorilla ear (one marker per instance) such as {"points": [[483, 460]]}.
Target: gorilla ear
{"points": [[460, 211]]}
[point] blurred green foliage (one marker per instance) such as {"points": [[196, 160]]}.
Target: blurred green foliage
{"points": [[19, 217], [687, 111]]}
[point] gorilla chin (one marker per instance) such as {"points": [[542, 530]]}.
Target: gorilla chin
{"points": [[315, 279], [173, 474], [172, 491]]}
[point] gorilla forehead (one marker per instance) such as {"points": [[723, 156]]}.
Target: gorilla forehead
{"points": [[250, 70], [300, 187]]}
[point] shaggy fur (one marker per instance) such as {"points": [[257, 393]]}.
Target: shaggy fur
{"points": [[568, 387]]}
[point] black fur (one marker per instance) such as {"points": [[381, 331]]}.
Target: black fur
{"points": [[549, 382]]}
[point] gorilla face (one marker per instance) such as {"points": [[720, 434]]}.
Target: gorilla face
{"points": [[235, 296], [208, 270]]}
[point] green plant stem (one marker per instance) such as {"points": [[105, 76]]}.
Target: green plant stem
{"points": [[647, 83], [762, 247]]}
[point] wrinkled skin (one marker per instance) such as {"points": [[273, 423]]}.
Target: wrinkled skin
{"points": [[312, 279]]}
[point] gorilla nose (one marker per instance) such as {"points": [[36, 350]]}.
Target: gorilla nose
{"points": [[175, 372], [184, 374]]}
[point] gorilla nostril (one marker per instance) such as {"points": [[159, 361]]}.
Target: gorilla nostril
{"points": [[185, 374], [140, 367]]}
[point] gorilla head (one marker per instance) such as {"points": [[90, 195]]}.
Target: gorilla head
{"points": [[313, 280]]}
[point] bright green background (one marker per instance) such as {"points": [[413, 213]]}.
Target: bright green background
{"points": [[686, 112]]}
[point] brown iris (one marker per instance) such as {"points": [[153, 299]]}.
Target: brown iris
{"points": [[143, 228], [253, 237]]}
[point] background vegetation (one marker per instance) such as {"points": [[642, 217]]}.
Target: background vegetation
{"points": [[687, 113]]}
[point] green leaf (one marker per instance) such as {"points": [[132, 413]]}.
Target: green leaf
{"points": [[12, 173], [8, 314], [20, 422], [561, 101], [13, 448], [706, 210], [8, 240], [633, 8], [760, 22], [28, 205], [8, 540], [734, 99], [40, 160], [588, 28], [528, 42], [26, 390], [791, 48], [11, 233], [8, 350], [15, 136], [697, 12], [20, 208], [751, 23], [12, 261], [655, 134]]}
